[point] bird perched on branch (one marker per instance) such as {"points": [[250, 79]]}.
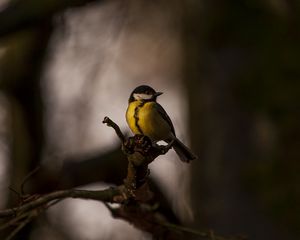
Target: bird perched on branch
{"points": [[147, 117]]}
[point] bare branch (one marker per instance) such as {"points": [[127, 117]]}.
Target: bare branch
{"points": [[20, 226], [140, 151], [107, 195], [27, 177], [112, 124], [206, 235]]}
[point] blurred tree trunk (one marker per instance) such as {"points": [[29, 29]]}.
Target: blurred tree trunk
{"points": [[218, 57], [20, 71]]}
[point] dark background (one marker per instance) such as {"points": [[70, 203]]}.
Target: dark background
{"points": [[232, 71]]}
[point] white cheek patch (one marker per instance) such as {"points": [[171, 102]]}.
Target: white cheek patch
{"points": [[142, 96]]}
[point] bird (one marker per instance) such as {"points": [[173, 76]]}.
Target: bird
{"points": [[147, 117]]}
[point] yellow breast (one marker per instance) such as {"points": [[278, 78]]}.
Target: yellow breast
{"points": [[130, 118], [145, 119]]}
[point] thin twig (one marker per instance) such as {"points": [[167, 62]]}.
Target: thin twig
{"points": [[53, 203], [27, 177], [14, 191], [20, 226], [106, 195], [175, 227], [13, 221], [112, 124], [201, 234]]}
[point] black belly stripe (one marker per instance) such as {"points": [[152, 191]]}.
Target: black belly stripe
{"points": [[136, 117]]}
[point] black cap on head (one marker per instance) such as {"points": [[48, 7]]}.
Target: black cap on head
{"points": [[143, 89]]}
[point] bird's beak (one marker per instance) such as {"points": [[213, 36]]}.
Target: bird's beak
{"points": [[158, 94]]}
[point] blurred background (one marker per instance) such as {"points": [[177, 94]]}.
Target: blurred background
{"points": [[230, 75]]}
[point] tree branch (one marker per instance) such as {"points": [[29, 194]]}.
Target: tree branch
{"points": [[134, 195], [23, 14], [117, 129], [107, 195], [20, 226], [206, 235]]}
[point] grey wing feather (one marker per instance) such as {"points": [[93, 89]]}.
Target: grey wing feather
{"points": [[165, 116]]}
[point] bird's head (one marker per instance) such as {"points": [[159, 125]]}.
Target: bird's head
{"points": [[144, 93]]}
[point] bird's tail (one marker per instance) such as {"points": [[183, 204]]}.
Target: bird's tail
{"points": [[184, 153]]}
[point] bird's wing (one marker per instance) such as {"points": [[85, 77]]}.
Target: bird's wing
{"points": [[165, 116]]}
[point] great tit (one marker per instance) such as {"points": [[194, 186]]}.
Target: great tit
{"points": [[147, 117]]}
